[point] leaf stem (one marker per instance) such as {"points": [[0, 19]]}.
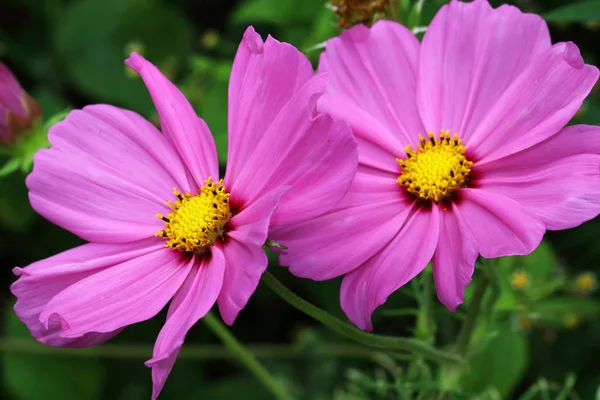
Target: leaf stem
{"points": [[246, 357], [345, 329], [188, 352]]}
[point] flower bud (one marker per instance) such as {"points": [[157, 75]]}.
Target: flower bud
{"points": [[18, 109]]}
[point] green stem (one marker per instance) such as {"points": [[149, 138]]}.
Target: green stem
{"points": [[247, 358], [464, 337], [377, 341], [188, 352]]}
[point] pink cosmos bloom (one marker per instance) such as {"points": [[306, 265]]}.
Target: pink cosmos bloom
{"points": [[17, 108], [496, 171], [109, 178]]}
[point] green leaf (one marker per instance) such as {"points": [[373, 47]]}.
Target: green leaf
{"points": [[96, 36], [42, 377], [500, 364], [583, 11]]}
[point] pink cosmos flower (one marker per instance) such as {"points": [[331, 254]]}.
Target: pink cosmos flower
{"points": [[497, 169], [17, 108], [109, 178]]}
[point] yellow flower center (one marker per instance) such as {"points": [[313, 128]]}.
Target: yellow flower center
{"points": [[436, 169], [196, 221]]}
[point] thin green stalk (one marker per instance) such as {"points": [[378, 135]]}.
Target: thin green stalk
{"points": [[464, 337], [246, 357], [377, 341], [188, 352]]}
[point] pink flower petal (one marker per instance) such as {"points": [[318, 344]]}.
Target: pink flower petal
{"points": [[361, 225], [245, 258], [192, 301], [188, 133], [367, 89], [245, 265], [470, 54], [538, 104], [557, 179], [454, 259], [368, 287], [309, 152], [105, 177], [41, 281], [263, 79], [126, 293], [500, 226]]}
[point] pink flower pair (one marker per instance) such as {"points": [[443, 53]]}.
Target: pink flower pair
{"points": [[462, 151], [161, 225]]}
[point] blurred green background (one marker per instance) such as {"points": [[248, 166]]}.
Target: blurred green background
{"points": [[540, 341]]}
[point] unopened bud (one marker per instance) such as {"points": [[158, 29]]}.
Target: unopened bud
{"points": [[18, 110]]}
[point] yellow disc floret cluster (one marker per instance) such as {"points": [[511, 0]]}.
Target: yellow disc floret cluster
{"points": [[436, 169], [196, 221]]}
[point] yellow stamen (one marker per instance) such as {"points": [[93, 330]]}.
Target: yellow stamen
{"points": [[196, 221], [436, 169]]}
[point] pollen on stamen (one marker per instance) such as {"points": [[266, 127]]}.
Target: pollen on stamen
{"points": [[436, 168], [196, 221]]}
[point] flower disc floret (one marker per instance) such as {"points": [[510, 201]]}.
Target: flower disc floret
{"points": [[436, 169], [196, 221]]}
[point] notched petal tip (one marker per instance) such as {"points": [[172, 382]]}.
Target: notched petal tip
{"points": [[253, 41], [572, 56], [136, 62]]}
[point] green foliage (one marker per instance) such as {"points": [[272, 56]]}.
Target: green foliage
{"points": [[45, 377], [95, 36], [582, 11]]}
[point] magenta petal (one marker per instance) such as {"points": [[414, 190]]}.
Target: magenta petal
{"points": [[373, 83], [470, 54], [106, 176], [306, 151], [500, 226], [361, 225], [368, 287], [537, 105], [245, 265], [245, 258], [41, 281], [454, 259], [558, 179], [189, 134], [263, 79], [192, 301], [126, 293]]}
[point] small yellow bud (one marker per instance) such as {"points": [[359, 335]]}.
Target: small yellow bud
{"points": [[519, 280]]}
